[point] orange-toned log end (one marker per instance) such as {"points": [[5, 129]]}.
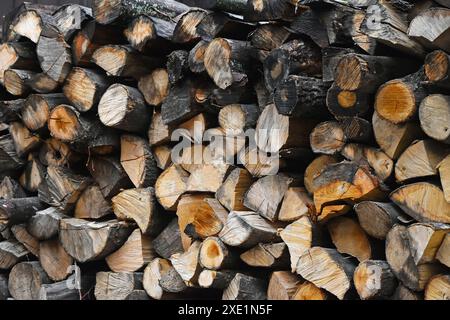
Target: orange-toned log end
{"points": [[349, 73], [346, 99], [63, 123], [436, 65], [395, 101]]}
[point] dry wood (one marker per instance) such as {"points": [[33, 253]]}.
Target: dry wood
{"points": [[231, 192], [207, 178], [374, 280], [357, 129], [26, 279], [33, 174], [17, 55], [24, 140], [434, 114], [236, 118], [436, 67], [315, 168], [9, 160], [54, 152], [179, 104], [267, 255], [162, 156], [54, 57], [177, 65], [140, 32], [159, 276], [403, 293], [296, 203], [430, 27]]}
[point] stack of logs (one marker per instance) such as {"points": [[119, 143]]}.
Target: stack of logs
{"points": [[104, 113]]}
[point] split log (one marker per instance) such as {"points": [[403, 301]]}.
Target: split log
{"points": [[170, 185], [84, 88], [443, 253], [91, 204], [267, 255], [438, 288], [309, 291], [423, 201], [398, 100], [231, 192], [37, 108], [168, 242], [17, 55], [55, 57], [377, 218], [109, 175], [155, 86], [18, 210], [282, 285], [123, 107], [140, 205], [296, 204], [327, 138], [117, 285], [244, 287], [215, 255], [400, 259], [26, 279], [392, 138], [55, 260], [24, 140], [301, 96], [10, 189], [434, 115], [11, 253], [425, 240], [22, 235], [374, 280], [246, 229], [133, 255], [187, 263], [299, 236], [330, 57], [78, 237], [327, 269], [44, 224], [16, 81], [315, 168], [64, 187], [430, 27], [215, 279], [122, 61]]}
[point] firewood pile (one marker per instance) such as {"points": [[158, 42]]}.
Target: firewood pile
{"points": [[233, 149]]}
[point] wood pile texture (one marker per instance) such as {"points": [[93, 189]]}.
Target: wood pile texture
{"points": [[232, 149]]}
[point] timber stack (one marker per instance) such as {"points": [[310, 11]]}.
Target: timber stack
{"points": [[234, 149]]}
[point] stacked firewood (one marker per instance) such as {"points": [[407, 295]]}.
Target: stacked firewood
{"points": [[234, 149]]}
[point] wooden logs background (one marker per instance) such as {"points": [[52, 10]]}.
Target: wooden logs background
{"points": [[191, 150]]}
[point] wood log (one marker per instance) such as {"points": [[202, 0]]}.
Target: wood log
{"points": [[37, 108], [225, 58], [124, 108], [265, 195], [133, 255], [301, 96], [400, 259], [309, 291], [377, 218], [381, 164], [64, 187], [11, 253], [207, 178], [246, 229], [158, 132], [215, 255], [231, 192], [26, 279], [267, 255], [430, 27], [423, 201], [442, 253], [344, 103], [327, 269], [84, 88], [10, 189], [155, 86], [299, 236], [438, 288], [168, 242], [44, 224], [215, 279], [224, 24], [282, 285], [54, 57], [170, 185], [91, 204], [18, 210], [425, 240], [122, 61], [24, 140], [331, 55], [327, 138], [293, 57], [392, 138], [244, 287], [374, 280], [398, 100], [17, 55], [140, 205], [16, 81], [109, 175], [349, 238], [434, 111], [315, 168], [55, 260], [22, 235], [78, 237], [117, 285]]}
